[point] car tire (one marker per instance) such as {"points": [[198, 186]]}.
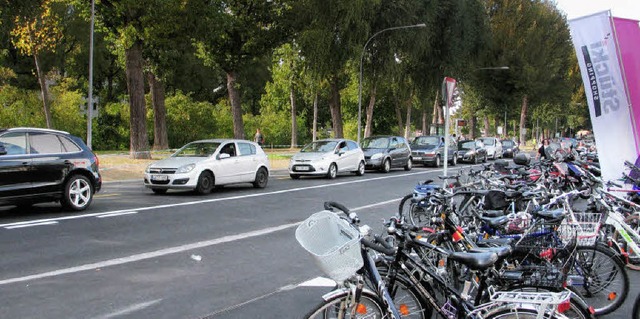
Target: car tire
{"points": [[332, 172], [475, 159], [360, 170], [78, 193], [159, 191], [485, 158], [409, 165], [454, 161], [386, 166], [294, 176], [205, 183], [262, 178], [437, 163]]}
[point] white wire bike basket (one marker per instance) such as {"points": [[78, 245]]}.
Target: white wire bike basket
{"points": [[333, 243], [588, 227]]}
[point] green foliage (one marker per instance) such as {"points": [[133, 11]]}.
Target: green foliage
{"points": [[20, 107]]}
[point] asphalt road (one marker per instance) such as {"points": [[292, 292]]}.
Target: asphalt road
{"points": [[229, 254]]}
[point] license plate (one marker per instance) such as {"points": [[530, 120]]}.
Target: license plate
{"points": [[160, 178], [417, 158], [302, 168]]}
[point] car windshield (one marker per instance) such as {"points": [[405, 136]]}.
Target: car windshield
{"points": [[488, 141], [507, 143], [320, 147], [375, 142], [426, 141], [197, 149], [468, 145]]}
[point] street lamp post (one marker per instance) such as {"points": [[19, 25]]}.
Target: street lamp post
{"points": [[421, 25]]}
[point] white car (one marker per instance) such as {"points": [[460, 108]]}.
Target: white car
{"points": [[493, 147], [203, 165], [328, 157]]}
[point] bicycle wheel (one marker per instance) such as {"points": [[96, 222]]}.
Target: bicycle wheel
{"points": [[405, 206], [634, 256], [340, 306], [406, 297], [600, 277]]}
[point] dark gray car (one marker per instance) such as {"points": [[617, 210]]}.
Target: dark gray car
{"points": [[386, 152], [429, 150]]}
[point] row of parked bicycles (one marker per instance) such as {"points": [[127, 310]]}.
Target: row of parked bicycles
{"points": [[548, 239]]}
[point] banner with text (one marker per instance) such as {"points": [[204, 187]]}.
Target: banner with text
{"points": [[594, 42], [628, 38]]}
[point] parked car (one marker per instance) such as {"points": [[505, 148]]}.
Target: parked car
{"points": [[328, 157], [493, 147], [429, 150], [386, 152], [41, 165], [471, 151], [509, 148], [205, 164]]}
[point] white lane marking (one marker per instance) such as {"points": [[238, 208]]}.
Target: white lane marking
{"points": [[162, 252], [116, 214], [32, 224], [130, 309], [145, 208], [318, 282]]}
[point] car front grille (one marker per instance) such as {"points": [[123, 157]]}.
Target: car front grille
{"points": [[162, 170]]}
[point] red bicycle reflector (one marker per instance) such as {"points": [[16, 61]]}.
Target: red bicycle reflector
{"points": [[612, 295], [458, 228], [564, 306], [361, 309], [592, 310], [457, 236]]}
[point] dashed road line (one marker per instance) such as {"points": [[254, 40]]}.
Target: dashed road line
{"points": [[32, 225]]}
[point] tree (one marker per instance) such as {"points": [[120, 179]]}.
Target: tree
{"points": [[35, 32], [233, 33]]}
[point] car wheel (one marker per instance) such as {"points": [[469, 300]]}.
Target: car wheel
{"points": [[262, 178], [454, 161], [360, 170], [386, 166], [205, 183], [294, 176], [333, 171], [159, 191], [78, 193], [485, 158], [409, 165], [475, 159], [437, 164]]}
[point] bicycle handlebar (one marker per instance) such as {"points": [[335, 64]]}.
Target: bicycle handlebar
{"points": [[378, 247]]}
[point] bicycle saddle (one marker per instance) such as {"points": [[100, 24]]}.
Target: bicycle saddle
{"points": [[495, 221], [501, 251], [475, 261], [551, 214]]}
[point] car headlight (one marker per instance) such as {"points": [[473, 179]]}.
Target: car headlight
{"points": [[185, 168], [470, 153], [376, 156], [148, 169]]}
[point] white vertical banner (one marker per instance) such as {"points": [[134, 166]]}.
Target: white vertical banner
{"points": [[594, 41]]}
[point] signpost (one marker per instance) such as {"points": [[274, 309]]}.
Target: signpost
{"points": [[448, 86]]}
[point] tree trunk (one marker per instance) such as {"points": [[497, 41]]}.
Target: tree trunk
{"points": [[315, 116], [472, 124], [486, 125], [398, 109], [496, 123], [407, 127], [336, 108], [44, 92], [294, 121], [434, 118], [236, 106], [523, 117], [139, 142], [424, 121], [368, 129], [160, 135]]}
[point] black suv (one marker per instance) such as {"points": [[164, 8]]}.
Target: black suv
{"points": [[41, 165]]}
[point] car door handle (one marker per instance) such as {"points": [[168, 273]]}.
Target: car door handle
{"points": [[25, 163]]}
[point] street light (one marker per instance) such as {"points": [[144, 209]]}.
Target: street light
{"points": [[421, 25]]}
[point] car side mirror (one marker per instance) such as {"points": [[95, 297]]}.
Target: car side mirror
{"points": [[223, 156], [3, 151]]}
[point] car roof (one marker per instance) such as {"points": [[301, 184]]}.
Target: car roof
{"points": [[33, 129], [385, 136], [221, 140], [332, 140]]}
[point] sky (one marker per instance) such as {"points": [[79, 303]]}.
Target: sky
{"points": [[629, 9]]}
